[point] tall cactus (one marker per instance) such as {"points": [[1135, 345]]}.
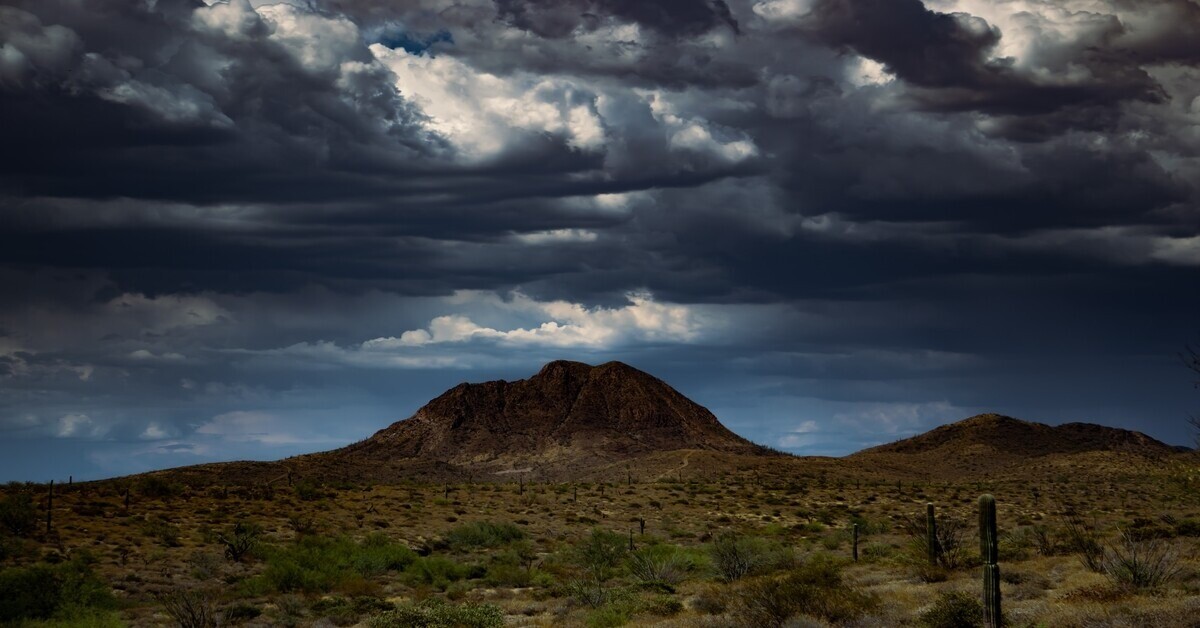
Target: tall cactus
{"points": [[50, 509], [931, 537], [855, 551], [990, 552]]}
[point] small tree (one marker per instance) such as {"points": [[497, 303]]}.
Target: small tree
{"points": [[598, 557], [239, 541]]}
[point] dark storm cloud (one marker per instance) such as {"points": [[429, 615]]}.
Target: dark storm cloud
{"points": [[555, 19], [262, 229], [950, 61]]}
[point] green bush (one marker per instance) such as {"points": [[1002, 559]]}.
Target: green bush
{"points": [[664, 565], [954, 609], [318, 564], [157, 487], [735, 556], [1188, 527], [480, 534], [609, 616], [240, 612], [309, 490], [435, 613], [439, 572], [44, 591], [17, 514], [815, 588]]}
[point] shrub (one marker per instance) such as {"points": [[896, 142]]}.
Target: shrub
{"points": [[438, 571], [609, 616], [659, 564], [167, 533], [513, 566], [598, 558], [308, 490], [241, 539], [435, 613], [157, 487], [950, 533], [815, 589], [735, 556], [42, 591], [240, 612], [190, 608], [1082, 539], [1140, 563], [1188, 527], [318, 564], [954, 609], [479, 534], [18, 515], [378, 554]]}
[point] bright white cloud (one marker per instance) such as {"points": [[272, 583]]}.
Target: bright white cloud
{"points": [[782, 10], [568, 324], [483, 114], [153, 431], [78, 425], [149, 356], [557, 236], [800, 436], [460, 341]]}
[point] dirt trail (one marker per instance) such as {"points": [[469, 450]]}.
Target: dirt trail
{"points": [[686, 458]]}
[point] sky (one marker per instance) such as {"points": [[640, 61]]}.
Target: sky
{"points": [[247, 230]]}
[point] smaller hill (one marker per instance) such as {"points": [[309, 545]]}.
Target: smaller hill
{"points": [[990, 443]]}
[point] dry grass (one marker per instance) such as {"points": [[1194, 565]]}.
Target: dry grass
{"points": [[169, 540]]}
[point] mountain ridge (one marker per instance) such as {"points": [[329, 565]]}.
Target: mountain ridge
{"points": [[571, 420], [567, 409]]}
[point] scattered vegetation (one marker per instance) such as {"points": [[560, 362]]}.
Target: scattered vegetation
{"points": [[750, 548]]}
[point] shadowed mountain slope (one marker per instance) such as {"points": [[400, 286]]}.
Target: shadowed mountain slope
{"points": [[569, 413], [994, 443], [573, 421]]}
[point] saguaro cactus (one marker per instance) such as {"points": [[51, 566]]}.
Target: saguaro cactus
{"points": [[50, 508], [855, 545], [990, 552], [931, 537]]}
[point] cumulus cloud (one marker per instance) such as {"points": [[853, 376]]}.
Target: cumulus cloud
{"points": [[569, 324], [79, 425]]}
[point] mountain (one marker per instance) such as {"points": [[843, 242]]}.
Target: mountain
{"points": [[989, 443], [569, 415]]}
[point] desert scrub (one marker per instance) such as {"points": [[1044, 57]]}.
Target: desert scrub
{"points": [[953, 609], [317, 564], [597, 559], [1140, 563], [483, 534], [815, 589], [515, 567], [736, 556], [342, 611], [439, 572], [240, 540], [435, 613], [64, 591], [18, 516], [660, 565]]}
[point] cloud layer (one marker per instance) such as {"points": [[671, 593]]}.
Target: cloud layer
{"points": [[818, 214]]}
